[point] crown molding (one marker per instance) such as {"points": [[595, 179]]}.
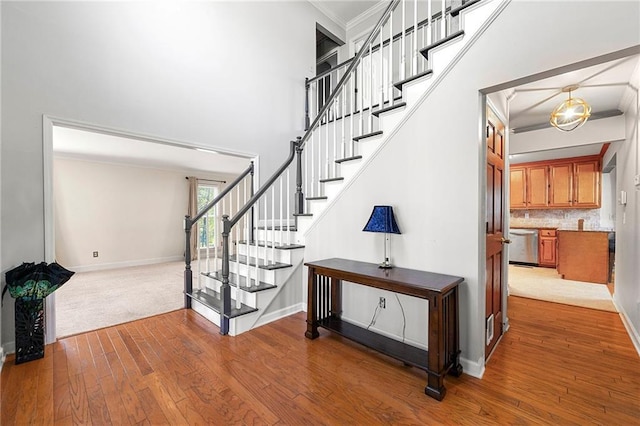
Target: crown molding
{"points": [[377, 8], [329, 14]]}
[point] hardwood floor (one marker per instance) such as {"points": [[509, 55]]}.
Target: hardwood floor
{"points": [[557, 364]]}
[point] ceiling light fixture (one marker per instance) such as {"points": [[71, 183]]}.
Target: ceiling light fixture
{"points": [[570, 114]]}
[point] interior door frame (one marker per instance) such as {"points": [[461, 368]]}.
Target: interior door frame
{"points": [[48, 122], [485, 103]]}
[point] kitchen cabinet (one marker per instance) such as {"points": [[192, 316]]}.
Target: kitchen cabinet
{"points": [[556, 184], [547, 248], [561, 186], [584, 256], [538, 187], [587, 184], [517, 193]]}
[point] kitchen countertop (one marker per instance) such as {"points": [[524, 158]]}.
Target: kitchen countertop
{"points": [[533, 227]]}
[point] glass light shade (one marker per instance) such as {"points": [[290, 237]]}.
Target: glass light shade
{"points": [[570, 114]]}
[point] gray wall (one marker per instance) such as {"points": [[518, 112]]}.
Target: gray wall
{"points": [[219, 74]]}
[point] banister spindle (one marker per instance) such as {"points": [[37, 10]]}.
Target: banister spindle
{"points": [[403, 46], [381, 82], [443, 29], [307, 119], [273, 224], [288, 214], [335, 140], [415, 38], [391, 91], [370, 87]]}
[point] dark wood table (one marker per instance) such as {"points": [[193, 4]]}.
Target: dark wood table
{"points": [[324, 309]]}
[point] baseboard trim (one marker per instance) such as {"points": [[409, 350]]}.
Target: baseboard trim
{"points": [[8, 348], [125, 264], [633, 333], [473, 368], [2, 357], [279, 314]]}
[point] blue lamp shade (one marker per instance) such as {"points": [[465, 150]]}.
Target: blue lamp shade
{"points": [[382, 220]]}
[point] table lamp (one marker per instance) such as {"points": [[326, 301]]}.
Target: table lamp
{"points": [[383, 220]]}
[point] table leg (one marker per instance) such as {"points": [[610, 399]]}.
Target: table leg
{"points": [[435, 364], [312, 306], [336, 297]]}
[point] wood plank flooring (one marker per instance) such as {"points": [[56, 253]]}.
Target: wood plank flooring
{"points": [[556, 365]]}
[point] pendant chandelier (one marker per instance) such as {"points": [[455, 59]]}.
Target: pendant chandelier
{"points": [[570, 114]]}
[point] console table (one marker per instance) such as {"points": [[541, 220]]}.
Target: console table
{"points": [[324, 308]]}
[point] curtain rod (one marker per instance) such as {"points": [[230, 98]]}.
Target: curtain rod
{"points": [[209, 180]]}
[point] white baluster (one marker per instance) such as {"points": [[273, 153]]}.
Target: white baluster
{"points": [[198, 226], [403, 42], [273, 225], [343, 93], [335, 140], [370, 88], [415, 37], [443, 27], [288, 215], [391, 91], [326, 128], [381, 97], [281, 211], [361, 91], [354, 100]]}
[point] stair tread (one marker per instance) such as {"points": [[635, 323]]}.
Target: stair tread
{"points": [[233, 281], [389, 108], [316, 198], [303, 214], [270, 245], [261, 264], [425, 51], [335, 179], [367, 135], [343, 160], [213, 300], [398, 85]]}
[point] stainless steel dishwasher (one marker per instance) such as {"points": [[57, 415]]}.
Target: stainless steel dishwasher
{"points": [[524, 246]]}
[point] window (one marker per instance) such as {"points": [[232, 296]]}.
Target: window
{"points": [[207, 227]]}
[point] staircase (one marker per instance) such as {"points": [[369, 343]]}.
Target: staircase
{"points": [[256, 266]]}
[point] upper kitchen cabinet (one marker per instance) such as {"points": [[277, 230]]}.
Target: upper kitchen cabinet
{"points": [[587, 184], [557, 184], [561, 187]]}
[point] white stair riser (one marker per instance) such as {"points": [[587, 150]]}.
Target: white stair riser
{"points": [[282, 256], [286, 237], [249, 299]]}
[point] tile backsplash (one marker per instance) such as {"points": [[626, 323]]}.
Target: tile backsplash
{"points": [[560, 218]]}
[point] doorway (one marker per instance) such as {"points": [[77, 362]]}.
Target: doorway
{"points": [[114, 204]]}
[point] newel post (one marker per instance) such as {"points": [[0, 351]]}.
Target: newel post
{"points": [[188, 279], [225, 290], [299, 198]]}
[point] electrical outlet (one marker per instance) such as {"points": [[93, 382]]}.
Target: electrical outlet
{"points": [[382, 303], [95, 254]]}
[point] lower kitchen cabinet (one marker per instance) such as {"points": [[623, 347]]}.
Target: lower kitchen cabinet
{"points": [[547, 248]]}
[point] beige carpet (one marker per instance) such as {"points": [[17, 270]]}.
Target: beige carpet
{"points": [[92, 300], [546, 284]]}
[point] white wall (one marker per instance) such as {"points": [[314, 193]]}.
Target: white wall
{"points": [[432, 170], [183, 71], [627, 285], [130, 215], [2, 270]]}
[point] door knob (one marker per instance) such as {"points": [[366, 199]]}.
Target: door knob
{"points": [[505, 240]]}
